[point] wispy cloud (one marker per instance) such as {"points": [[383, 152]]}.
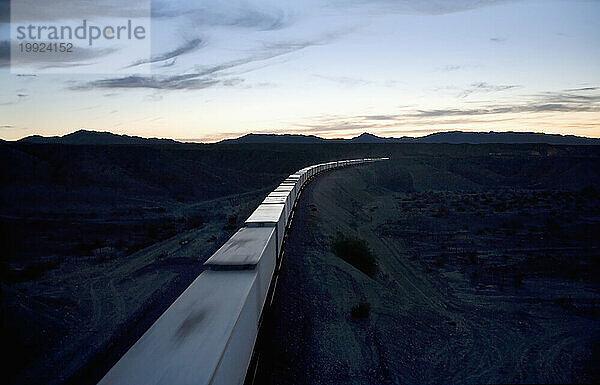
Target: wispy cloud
{"points": [[571, 100], [255, 15], [271, 29], [177, 82], [568, 101], [451, 67], [187, 47], [200, 78], [18, 96], [485, 87], [583, 89], [498, 39], [350, 82], [345, 81]]}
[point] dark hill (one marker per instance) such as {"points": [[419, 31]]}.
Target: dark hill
{"points": [[454, 137], [370, 138], [87, 137], [275, 138], [458, 137]]}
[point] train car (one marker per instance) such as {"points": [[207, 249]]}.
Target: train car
{"points": [[294, 178], [289, 202], [205, 337], [287, 188], [270, 215], [307, 173], [295, 185], [300, 175], [284, 199], [250, 248]]}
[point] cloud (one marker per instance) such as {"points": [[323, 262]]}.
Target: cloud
{"points": [[254, 31], [451, 67], [165, 83], [187, 47], [573, 100], [583, 89], [578, 100], [484, 87], [419, 6], [498, 39], [345, 81], [18, 97], [349, 82], [202, 77], [256, 15], [415, 121], [380, 117]]}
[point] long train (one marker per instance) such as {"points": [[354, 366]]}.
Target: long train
{"points": [[207, 335]]}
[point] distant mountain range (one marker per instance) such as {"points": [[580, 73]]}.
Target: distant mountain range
{"points": [[86, 137], [453, 137]]}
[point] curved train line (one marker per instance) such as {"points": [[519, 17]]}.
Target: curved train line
{"points": [[207, 335]]}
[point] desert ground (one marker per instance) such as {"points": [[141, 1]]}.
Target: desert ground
{"points": [[486, 258], [482, 277]]}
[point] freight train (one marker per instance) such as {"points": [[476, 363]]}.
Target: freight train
{"points": [[207, 335]]}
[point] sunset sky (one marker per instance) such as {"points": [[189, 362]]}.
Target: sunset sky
{"points": [[333, 68]]}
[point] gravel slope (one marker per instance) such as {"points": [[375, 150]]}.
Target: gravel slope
{"points": [[429, 322]]}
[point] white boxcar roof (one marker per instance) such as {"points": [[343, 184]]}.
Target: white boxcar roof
{"points": [[279, 193], [284, 187], [185, 345], [244, 248], [275, 199], [266, 214], [293, 183]]}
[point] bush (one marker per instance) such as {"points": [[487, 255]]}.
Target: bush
{"points": [[361, 310], [356, 252], [28, 272], [441, 212], [472, 257], [231, 223], [194, 220]]}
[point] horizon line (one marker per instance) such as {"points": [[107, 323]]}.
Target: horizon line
{"points": [[239, 135]]}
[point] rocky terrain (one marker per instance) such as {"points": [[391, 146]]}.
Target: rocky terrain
{"points": [[486, 257], [485, 274]]}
